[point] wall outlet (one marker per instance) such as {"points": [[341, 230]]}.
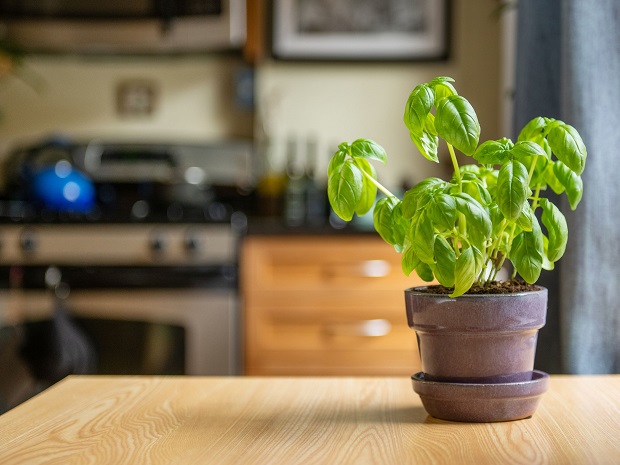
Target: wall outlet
{"points": [[136, 97]]}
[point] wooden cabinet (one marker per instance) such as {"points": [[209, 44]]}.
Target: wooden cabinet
{"points": [[325, 305]]}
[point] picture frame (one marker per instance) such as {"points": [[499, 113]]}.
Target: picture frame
{"points": [[402, 30]]}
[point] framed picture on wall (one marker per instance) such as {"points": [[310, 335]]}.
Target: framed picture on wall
{"points": [[360, 29]]}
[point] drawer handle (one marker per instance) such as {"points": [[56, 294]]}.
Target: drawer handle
{"points": [[363, 328], [375, 269]]}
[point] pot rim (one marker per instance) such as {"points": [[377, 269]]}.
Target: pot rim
{"points": [[416, 291]]}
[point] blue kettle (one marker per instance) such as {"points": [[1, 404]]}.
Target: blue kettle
{"points": [[60, 187]]}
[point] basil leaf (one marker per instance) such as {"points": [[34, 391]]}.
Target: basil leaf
{"points": [[338, 159], [429, 125], [410, 199], [344, 189], [409, 260], [424, 239], [464, 272], [456, 122], [383, 217], [418, 105], [442, 90], [571, 182], [427, 144], [442, 211], [365, 148], [369, 189], [424, 272], [439, 80], [400, 228], [512, 189], [526, 219], [533, 131], [557, 229], [526, 253], [479, 224], [445, 262], [551, 179], [478, 192], [547, 264], [492, 152], [567, 145], [524, 149]]}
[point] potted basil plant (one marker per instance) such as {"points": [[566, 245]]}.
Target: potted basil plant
{"points": [[476, 336]]}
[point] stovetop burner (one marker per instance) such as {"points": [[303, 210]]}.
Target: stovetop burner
{"points": [[126, 183]]}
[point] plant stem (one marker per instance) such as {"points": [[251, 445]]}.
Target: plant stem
{"points": [[457, 170], [380, 186]]}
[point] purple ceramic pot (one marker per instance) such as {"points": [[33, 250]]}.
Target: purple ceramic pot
{"points": [[477, 338]]}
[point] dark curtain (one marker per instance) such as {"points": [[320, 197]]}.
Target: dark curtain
{"points": [[568, 67]]}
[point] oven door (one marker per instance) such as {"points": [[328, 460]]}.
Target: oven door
{"points": [[146, 320]]}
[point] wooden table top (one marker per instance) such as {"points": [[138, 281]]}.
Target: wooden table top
{"points": [[237, 420]]}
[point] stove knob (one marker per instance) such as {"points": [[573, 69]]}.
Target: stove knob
{"points": [[192, 243], [158, 243], [28, 241]]}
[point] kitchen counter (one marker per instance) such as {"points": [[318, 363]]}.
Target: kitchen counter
{"points": [[236, 420]]}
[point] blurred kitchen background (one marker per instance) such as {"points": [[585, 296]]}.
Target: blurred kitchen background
{"points": [[163, 170]]}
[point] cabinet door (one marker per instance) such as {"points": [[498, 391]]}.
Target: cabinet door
{"points": [[325, 305]]}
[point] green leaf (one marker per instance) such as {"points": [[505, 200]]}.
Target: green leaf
{"points": [[534, 130], [445, 262], [525, 149], [338, 159], [571, 182], [526, 253], [456, 122], [442, 211], [526, 219], [344, 189], [424, 272], [547, 264], [567, 145], [478, 192], [366, 148], [418, 105], [429, 125], [443, 90], [369, 189], [427, 144], [409, 260], [464, 272], [551, 179], [479, 224], [383, 217], [557, 230], [439, 80], [411, 197], [512, 189], [492, 152], [424, 239], [400, 228]]}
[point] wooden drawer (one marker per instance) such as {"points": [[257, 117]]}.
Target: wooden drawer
{"points": [[339, 263], [325, 306]]}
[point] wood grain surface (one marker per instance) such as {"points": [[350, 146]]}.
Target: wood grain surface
{"points": [[192, 420]]}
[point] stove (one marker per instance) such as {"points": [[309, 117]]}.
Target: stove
{"points": [[152, 259]]}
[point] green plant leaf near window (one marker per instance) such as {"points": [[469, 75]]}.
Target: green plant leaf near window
{"points": [[461, 231]]}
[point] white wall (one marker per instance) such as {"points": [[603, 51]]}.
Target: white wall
{"points": [[78, 97]]}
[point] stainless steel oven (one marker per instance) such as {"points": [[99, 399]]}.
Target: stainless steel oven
{"points": [[147, 277]]}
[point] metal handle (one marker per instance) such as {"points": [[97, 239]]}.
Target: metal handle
{"points": [[362, 328]]}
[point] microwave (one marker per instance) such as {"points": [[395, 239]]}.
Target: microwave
{"points": [[123, 26]]}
